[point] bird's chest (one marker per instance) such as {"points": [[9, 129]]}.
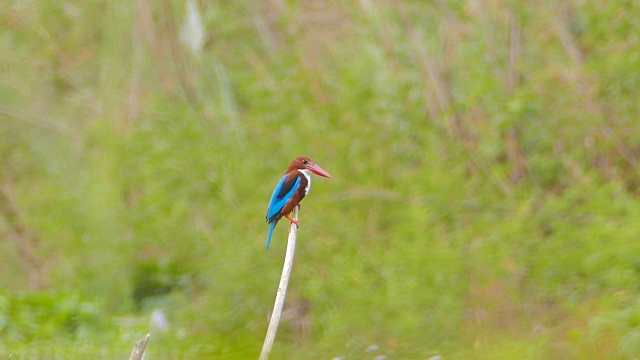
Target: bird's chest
{"points": [[305, 180]]}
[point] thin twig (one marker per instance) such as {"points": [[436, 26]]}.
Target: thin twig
{"points": [[515, 46], [513, 136], [561, 21], [26, 240], [282, 290], [442, 89], [177, 56]]}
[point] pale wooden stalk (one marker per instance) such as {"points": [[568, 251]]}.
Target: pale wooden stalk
{"points": [[512, 138], [282, 291], [138, 349]]}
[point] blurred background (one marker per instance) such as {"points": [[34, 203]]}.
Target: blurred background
{"points": [[484, 199]]}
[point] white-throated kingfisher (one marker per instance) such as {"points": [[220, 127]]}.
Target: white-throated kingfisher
{"points": [[291, 189]]}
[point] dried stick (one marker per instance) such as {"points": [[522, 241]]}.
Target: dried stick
{"points": [[282, 290], [513, 136], [515, 46], [443, 94], [138, 349]]}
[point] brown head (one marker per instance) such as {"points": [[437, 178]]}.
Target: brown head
{"points": [[305, 163]]}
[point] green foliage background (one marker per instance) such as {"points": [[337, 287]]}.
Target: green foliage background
{"points": [[484, 199]]}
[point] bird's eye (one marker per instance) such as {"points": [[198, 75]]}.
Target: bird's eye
{"points": [[304, 161]]}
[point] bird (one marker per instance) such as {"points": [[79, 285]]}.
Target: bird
{"points": [[292, 188]]}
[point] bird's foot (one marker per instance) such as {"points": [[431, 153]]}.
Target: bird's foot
{"points": [[293, 221]]}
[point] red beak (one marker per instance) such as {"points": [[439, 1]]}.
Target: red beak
{"points": [[318, 171]]}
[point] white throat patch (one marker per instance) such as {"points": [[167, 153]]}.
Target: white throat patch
{"points": [[306, 174]]}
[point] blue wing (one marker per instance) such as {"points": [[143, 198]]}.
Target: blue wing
{"points": [[281, 194]]}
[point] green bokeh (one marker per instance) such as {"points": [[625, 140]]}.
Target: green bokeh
{"points": [[466, 217]]}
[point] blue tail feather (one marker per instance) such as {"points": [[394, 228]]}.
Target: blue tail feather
{"points": [[271, 227]]}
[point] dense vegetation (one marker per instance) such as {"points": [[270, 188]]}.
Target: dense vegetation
{"points": [[483, 205]]}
